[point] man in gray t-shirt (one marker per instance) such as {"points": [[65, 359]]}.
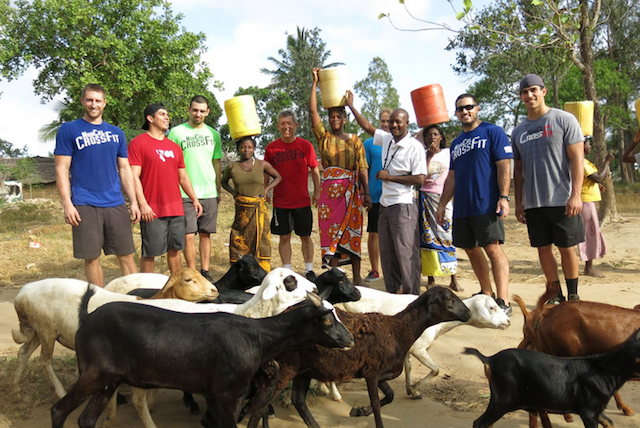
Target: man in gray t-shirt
{"points": [[548, 150]]}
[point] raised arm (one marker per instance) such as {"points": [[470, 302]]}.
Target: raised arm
{"points": [[628, 154], [601, 174], [362, 121], [314, 117]]}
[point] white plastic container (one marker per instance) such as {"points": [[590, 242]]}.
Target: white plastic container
{"points": [[334, 82]]}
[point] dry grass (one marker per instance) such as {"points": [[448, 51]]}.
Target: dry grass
{"points": [[35, 387], [461, 396]]}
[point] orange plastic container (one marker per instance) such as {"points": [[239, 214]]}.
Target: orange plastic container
{"points": [[583, 111], [429, 105], [334, 82], [242, 116]]}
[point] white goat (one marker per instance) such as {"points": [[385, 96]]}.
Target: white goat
{"points": [[126, 283], [485, 313]]}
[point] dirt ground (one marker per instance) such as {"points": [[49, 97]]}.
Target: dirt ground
{"points": [[460, 393]]}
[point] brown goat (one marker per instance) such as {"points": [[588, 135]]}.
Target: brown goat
{"points": [[576, 328]]}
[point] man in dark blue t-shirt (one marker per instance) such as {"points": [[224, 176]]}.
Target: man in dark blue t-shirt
{"points": [[91, 167], [479, 181]]}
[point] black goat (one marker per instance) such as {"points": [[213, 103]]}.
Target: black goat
{"points": [[381, 344], [521, 379], [216, 355]]}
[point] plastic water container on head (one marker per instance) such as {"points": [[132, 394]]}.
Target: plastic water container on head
{"points": [[428, 103], [583, 111], [242, 116], [334, 82]]}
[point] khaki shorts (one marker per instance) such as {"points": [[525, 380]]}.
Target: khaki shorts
{"points": [[207, 222], [102, 229], [161, 235]]}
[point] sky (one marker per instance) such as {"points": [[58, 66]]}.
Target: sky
{"points": [[242, 34]]}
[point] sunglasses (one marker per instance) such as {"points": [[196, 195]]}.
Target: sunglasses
{"points": [[468, 107]]}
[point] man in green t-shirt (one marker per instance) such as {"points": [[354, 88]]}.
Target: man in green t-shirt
{"points": [[202, 150]]}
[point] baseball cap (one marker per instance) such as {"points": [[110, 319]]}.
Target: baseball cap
{"points": [[531, 80], [151, 110]]}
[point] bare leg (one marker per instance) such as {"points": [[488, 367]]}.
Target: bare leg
{"points": [[93, 271], [500, 269], [454, 284], [173, 260], [548, 263], [284, 248], [147, 264], [205, 250], [307, 249], [480, 268], [190, 250], [373, 245], [127, 264], [570, 263], [355, 267]]}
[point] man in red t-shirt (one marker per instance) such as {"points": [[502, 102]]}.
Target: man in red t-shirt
{"points": [[159, 171], [293, 157]]}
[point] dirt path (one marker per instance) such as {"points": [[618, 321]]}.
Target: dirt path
{"points": [[460, 377]]}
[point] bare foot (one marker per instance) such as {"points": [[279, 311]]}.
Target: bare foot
{"points": [[455, 286], [593, 272]]}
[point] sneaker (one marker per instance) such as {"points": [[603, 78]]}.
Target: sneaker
{"points": [[373, 275], [205, 273], [311, 276], [573, 297], [556, 300], [506, 308]]}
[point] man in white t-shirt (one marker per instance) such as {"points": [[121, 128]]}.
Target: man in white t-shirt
{"points": [[404, 166]]}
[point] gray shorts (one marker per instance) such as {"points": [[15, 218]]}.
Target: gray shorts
{"points": [[477, 231], [161, 235], [107, 229], [207, 222]]}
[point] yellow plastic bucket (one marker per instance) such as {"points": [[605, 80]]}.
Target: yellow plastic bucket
{"points": [[638, 110], [242, 116], [583, 111], [334, 82]]}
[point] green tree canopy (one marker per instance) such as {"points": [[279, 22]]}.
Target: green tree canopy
{"points": [[292, 72], [136, 49], [376, 90]]}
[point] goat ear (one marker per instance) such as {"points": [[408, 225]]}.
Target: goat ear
{"points": [[326, 292], [171, 282], [269, 291]]}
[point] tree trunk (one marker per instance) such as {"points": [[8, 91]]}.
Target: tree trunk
{"points": [[608, 208]]}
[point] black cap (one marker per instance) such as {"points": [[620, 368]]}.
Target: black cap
{"points": [[151, 110], [531, 80]]}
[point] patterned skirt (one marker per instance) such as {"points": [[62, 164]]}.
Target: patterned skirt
{"points": [[437, 253], [340, 214], [250, 232]]}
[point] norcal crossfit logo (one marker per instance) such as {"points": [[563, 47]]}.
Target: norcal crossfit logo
{"points": [[164, 154], [536, 135]]}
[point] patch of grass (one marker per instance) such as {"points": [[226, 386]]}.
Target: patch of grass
{"points": [[459, 396], [23, 215], [627, 197], [35, 388]]}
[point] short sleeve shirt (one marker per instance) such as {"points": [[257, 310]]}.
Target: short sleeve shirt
{"points": [[541, 145], [159, 162], [473, 158], [94, 151], [293, 161], [199, 147], [590, 189], [347, 154], [405, 157]]}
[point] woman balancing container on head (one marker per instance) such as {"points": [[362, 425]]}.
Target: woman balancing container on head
{"points": [[250, 233], [345, 186]]}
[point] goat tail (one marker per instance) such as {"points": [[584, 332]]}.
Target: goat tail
{"points": [[84, 304], [474, 351], [523, 308], [552, 290]]}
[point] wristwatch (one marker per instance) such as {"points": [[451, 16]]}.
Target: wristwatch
{"points": [[507, 197]]}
